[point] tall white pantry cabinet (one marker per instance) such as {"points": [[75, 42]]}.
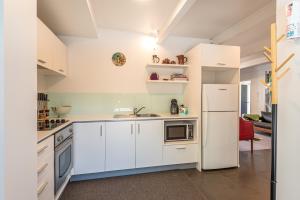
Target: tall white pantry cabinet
{"points": [[210, 64]]}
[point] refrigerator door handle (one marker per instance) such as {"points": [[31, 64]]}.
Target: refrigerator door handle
{"points": [[205, 129]]}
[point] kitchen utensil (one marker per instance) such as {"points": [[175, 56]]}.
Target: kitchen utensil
{"points": [[182, 59]]}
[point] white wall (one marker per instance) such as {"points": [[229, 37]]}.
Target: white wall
{"points": [[254, 74], [1, 103], [19, 109], [288, 115], [91, 68]]}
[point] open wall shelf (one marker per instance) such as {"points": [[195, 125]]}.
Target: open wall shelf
{"points": [[169, 81], [167, 66]]}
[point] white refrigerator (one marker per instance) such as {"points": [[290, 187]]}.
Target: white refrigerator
{"points": [[220, 128]]}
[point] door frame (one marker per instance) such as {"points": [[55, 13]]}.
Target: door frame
{"points": [[248, 84]]}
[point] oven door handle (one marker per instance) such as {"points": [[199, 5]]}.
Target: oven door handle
{"points": [[64, 144]]}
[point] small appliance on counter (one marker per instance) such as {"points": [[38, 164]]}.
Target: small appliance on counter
{"points": [[174, 109], [179, 131]]}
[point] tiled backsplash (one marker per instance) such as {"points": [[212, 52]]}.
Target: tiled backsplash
{"points": [[101, 103]]}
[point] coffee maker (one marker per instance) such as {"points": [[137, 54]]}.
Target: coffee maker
{"points": [[174, 109]]}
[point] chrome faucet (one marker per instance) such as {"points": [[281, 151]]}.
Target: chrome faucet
{"points": [[136, 110]]}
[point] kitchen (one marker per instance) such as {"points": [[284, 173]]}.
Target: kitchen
{"points": [[115, 102], [105, 135]]}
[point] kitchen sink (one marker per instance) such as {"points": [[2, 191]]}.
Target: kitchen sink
{"points": [[124, 116], [138, 115], [147, 115]]}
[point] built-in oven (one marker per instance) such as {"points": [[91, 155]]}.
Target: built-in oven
{"points": [[63, 156], [179, 131]]}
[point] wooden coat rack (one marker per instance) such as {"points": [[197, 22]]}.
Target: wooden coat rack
{"points": [[271, 55]]}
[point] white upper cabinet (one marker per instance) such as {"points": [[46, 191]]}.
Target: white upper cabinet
{"points": [[89, 147], [220, 56], [120, 145], [60, 57], [44, 45], [149, 143], [51, 52]]}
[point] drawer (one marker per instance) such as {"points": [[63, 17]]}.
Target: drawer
{"points": [[45, 190], [45, 172], [179, 154], [45, 150]]}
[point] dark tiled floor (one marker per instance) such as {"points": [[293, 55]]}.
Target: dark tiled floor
{"points": [[249, 182]]}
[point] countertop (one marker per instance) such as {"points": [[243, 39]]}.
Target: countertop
{"points": [[42, 135]]}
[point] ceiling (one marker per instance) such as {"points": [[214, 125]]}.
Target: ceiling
{"points": [[209, 19], [67, 17], [144, 16]]}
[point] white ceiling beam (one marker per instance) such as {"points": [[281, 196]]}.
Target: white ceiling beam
{"points": [[181, 9], [253, 60], [92, 14], [266, 12]]}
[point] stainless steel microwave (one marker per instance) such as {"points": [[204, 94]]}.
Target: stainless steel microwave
{"points": [[179, 131]]}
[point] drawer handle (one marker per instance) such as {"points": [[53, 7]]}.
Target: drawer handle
{"points": [[101, 132], [42, 188], [41, 61], [180, 147], [221, 63], [61, 70], [42, 149], [42, 168]]}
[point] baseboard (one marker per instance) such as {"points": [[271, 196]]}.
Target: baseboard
{"points": [[131, 172]]}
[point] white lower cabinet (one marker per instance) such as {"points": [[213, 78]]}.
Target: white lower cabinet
{"points": [[149, 143], [180, 154], [45, 169], [120, 145], [89, 147]]}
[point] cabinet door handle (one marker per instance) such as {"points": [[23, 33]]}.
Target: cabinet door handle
{"points": [[41, 61], [42, 168], [131, 129], [42, 149], [182, 147], [139, 128], [101, 130], [42, 188], [219, 63]]}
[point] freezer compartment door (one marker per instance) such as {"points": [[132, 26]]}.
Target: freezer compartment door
{"points": [[220, 97], [219, 140]]}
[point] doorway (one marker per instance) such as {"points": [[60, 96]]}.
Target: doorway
{"points": [[245, 98]]}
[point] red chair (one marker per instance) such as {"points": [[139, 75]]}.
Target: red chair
{"points": [[247, 131]]}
